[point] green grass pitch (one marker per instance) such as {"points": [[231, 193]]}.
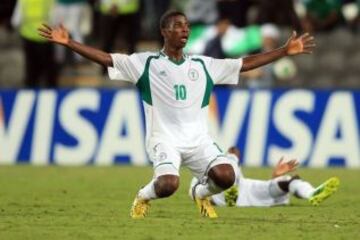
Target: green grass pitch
{"points": [[94, 202]]}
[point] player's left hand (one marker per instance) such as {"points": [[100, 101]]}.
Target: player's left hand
{"points": [[282, 167], [298, 45]]}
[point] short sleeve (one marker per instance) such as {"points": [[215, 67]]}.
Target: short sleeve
{"points": [[225, 71], [126, 67]]}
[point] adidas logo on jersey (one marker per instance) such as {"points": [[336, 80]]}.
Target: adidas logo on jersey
{"points": [[162, 73]]}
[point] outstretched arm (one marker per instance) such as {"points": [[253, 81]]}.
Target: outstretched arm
{"points": [[294, 46], [61, 36], [283, 168]]}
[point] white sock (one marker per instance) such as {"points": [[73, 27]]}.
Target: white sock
{"points": [[204, 190], [301, 189], [148, 192]]}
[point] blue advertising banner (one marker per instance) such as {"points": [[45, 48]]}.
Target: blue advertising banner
{"points": [[105, 126]]}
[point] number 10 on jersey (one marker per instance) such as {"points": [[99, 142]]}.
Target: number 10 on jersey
{"points": [[180, 92]]}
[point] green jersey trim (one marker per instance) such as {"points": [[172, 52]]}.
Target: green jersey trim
{"points": [[209, 84], [143, 84], [177, 62]]}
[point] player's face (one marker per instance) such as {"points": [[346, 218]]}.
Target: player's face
{"points": [[177, 33]]}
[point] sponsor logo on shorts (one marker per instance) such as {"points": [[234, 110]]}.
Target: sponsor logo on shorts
{"points": [[162, 156]]}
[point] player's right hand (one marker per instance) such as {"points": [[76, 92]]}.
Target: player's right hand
{"points": [[58, 34]]}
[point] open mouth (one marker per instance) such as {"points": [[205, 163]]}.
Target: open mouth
{"points": [[184, 39]]}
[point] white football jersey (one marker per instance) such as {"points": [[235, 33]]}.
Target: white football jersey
{"points": [[175, 95]]}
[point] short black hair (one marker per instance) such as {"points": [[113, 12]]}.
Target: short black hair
{"points": [[165, 18]]}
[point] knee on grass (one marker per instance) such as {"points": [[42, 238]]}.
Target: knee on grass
{"points": [[166, 185], [223, 175]]}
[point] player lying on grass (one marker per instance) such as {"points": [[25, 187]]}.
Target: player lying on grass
{"points": [[176, 89], [248, 192]]}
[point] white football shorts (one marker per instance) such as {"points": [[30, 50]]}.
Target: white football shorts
{"points": [[167, 158]]}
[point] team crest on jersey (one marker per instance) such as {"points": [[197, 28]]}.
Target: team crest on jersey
{"points": [[193, 74]]}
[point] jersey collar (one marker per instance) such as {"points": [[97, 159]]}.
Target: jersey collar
{"points": [[177, 62]]}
